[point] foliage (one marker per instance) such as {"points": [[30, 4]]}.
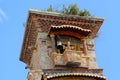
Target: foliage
{"points": [[84, 13], [50, 8], [71, 9]]}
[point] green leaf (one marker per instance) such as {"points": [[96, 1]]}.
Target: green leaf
{"points": [[50, 8]]}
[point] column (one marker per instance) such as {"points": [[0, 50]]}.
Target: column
{"points": [[85, 51], [52, 36], [35, 75], [84, 46]]}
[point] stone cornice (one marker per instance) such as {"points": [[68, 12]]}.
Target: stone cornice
{"points": [[33, 11]]}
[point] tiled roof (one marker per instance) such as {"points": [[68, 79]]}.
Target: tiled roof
{"points": [[71, 26], [76, 74]]}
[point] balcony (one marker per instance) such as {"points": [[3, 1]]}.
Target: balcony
{"points": [[70, 58]]}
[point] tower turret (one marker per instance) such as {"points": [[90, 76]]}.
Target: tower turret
{"points": [[57, 46]]}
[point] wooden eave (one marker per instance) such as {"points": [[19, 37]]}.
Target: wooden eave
{"points": [[69, 30], [26, 53], [53, 18]]}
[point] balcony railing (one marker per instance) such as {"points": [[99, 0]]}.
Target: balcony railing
{"points": [[75, 70]]}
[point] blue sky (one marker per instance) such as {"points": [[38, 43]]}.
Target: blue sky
{"points": [[13, 14]]}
